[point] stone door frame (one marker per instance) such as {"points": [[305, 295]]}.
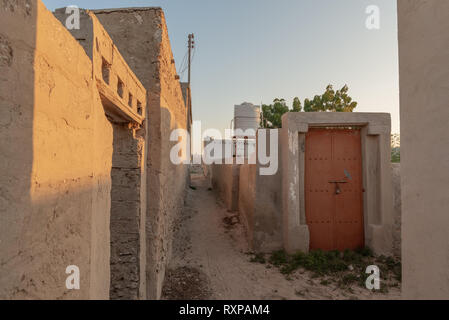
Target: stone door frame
{"points": [[376, 172]]}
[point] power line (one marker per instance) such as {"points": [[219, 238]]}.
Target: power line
{"points": [[183, 63]]}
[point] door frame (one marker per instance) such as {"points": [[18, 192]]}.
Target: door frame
{"points": [[376, 175]]}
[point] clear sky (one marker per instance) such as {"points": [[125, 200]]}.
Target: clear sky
{"points": [[258, 50]]}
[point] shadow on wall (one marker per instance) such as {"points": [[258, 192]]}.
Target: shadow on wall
{"points": [[57, 151], [127, 222], [55, 166], [17, 42], [142, 38], [166, 189]]}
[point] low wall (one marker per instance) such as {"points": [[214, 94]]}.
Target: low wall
{"points": [[260, 206], [268, 213], [225, 181], [247, 196]]}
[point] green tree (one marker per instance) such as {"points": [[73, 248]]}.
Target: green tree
{"points": [[329, 101], [297, 106], [272, 114]]}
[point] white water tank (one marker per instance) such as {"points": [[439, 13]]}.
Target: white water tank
{"points": [[246, 116]]}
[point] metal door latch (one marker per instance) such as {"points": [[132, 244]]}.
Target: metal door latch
{"points": [[337, 186]]}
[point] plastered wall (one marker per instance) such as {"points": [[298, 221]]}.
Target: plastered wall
{"points": [[396, 179], [424, 73], [124, 101], [247, 197], [56, 156], [260, 204], [225, 182]]}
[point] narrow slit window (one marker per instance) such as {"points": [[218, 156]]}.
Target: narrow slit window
{"points": [[120, 86], [130, 100], [105, 71], [139, 107]]}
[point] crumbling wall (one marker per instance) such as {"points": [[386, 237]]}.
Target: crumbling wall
{"points": [[142, 38], [56, 157], [126, 213]]}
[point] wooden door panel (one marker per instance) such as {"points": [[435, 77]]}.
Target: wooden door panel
{"points": [[335, 220], [320, 204]]}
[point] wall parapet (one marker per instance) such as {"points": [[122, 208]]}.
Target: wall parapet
{"points": [[123, 96]]}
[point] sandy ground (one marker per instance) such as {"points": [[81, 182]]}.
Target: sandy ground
{"points": [[210, 260]]}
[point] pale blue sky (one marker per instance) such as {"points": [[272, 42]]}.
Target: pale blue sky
{"points": [[257, 50]]}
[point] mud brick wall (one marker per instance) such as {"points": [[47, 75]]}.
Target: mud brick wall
{"points": [[142, 38], [128, 194], [126, 173]]}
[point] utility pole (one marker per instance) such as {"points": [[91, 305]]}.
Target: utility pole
{"points": [[191, 46]]}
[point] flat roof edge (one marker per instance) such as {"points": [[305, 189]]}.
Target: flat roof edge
{"points": [[128, 9], [111, 10]]}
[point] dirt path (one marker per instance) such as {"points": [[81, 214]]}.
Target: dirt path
{"points": [[210, 260]]}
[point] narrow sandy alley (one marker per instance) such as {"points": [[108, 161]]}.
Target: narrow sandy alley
{"points": [[211, 261]]}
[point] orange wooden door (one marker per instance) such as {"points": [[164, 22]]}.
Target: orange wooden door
{"points": [[334, 189]]}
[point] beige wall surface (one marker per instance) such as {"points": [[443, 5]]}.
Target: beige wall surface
{"points": [[247, 197], [225, 181], [124, 102], [142, 38], [260, 202], [56, 153], [268, 202], [59, 147], [424, 95], [396, 179]]}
